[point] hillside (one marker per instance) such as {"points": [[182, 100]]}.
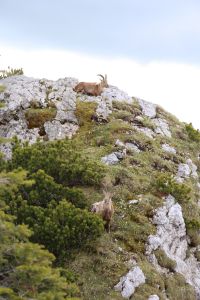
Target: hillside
{"points": [[59, 151]]}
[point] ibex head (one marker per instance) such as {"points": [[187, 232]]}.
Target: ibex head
{"points": [[107, 196], [104, 82]]}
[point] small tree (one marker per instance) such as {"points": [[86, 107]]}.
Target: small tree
{"points": [[26, 268], [61, 228]]}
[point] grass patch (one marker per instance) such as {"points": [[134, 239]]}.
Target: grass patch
{"points": [[177, 288], [164, 261], [37, 117], [166, 184], [154, 284], [4, 140], [134, 227], [84, 113], [2, 88], [99, 269], [123, 105], [2, 104], [161, 113]]}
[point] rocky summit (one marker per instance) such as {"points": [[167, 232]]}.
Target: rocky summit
{"points": [[60, 150]]}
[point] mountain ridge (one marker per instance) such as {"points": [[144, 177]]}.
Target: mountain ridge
{"points": [[150, 160]]}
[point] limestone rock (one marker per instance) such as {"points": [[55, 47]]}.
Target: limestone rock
{"points": [[56, 131], [162, 127], [110, 159], [148, 108], [128, 283], [132, 147], [153, 297], [133, 202], [119, 143], [168, 148], [120, 154], [147, 131], [171, 237], [186, 170], [22, 92], [113, 93], [128, 146]]}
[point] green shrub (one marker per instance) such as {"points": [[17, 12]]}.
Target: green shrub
{"points": [[45, 189], [26, 268], [166, 184], [193, 134], [56, 223], [61, 228], [62, 160], [2, 162]]}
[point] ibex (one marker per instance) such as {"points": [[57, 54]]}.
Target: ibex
{"points": [[105, 209], [92, 88]]}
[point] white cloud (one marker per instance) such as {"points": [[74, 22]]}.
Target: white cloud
{"points": [[172, 85]]}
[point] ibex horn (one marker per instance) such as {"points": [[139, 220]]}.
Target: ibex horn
{"points": [[101, 76]]}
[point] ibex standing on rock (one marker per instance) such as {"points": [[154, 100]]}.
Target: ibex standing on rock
{"points": [[92, 88], [105, 209]]}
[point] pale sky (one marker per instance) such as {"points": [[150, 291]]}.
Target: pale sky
{"points": [[149, 48]]}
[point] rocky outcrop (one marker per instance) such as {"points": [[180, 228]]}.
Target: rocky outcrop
{"points": [[186, 170], [128, 283], [113, 158], [169, 149], [23, 93], [172, 239], [132, 147], [162, 127], [56, 131], [148, 108]]}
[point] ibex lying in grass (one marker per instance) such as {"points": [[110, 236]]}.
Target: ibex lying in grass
{"points": [[105, 209], [92, 88]]}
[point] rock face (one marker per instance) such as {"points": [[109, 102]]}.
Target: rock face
{"points": [[128, 283], [172, 239], [23, 93]]}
